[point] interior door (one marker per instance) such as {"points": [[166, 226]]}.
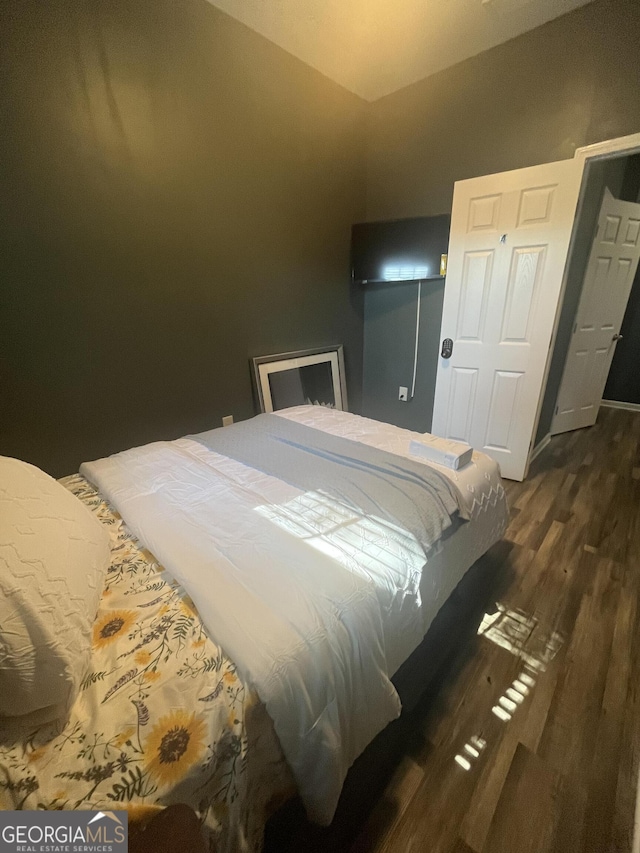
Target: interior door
{"points": [[510, 235], [607, 284]]}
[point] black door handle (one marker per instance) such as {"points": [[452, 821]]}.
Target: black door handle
{"points": [[447, 348]]}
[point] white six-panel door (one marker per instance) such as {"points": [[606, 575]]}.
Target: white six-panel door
{"points": [[607, 284], [508, 247]]}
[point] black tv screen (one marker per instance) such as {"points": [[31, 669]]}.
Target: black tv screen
{"points": [[399, 250]]}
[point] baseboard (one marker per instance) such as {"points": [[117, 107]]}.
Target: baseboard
{"points": [[615, 404], [540, 446]]}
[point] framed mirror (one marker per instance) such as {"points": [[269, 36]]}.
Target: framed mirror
{"points": [[313, 376]]}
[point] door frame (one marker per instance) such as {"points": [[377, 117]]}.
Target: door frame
{"points": [[606, 150], [572, 415]]}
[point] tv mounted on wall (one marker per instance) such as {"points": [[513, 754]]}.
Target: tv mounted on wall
{"points": [[400, 249]]}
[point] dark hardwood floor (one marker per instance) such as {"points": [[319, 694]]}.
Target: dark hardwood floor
{"points": [[529, 739]]}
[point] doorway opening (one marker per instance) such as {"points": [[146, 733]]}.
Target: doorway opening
{"points": [[597, 343]]}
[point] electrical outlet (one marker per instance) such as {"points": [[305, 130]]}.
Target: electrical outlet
{"points": [[227, 420], [403, 394]]}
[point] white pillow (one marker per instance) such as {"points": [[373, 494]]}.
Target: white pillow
{"points": [[53, 558]]}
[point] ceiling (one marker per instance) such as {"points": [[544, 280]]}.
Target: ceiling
{"points": [[373, 47]]}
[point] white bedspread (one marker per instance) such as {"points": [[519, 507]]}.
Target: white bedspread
{"points": [[318, 644], [479, 482]]}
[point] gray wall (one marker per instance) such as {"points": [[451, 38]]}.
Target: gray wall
{"points": [[535, 99], [389, 338], [177, 195]]}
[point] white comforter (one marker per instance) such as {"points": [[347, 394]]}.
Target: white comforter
{"points": [[319, 644]]}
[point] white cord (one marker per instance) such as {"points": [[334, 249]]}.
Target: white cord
{"points": [[415, 353]]}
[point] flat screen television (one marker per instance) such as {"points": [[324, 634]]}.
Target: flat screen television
{"points": [[400, 249]]}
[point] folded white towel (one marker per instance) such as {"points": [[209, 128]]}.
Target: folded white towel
{"points": [[442, 451]]}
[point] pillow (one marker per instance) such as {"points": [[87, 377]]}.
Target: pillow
{"points": [[53, 558]]}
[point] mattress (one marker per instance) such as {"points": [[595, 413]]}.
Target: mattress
{"points": [[479, 483]]}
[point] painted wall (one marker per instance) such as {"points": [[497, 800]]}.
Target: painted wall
{"points": [[389, 339], [177, 196], [535, 99]]}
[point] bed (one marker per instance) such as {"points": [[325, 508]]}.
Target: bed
{"points": [[177, 705]]}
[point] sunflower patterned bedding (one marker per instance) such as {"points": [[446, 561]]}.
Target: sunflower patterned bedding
{"points": [[161, 717]]}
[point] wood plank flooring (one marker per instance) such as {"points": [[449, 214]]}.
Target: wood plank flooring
{"points": [[529, 742]]}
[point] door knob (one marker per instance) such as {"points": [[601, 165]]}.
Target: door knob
{"points": [[616, 338], [447, 348]]}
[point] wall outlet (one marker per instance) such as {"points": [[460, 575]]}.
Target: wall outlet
{"points": [[227, 420], [403, 394]]}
